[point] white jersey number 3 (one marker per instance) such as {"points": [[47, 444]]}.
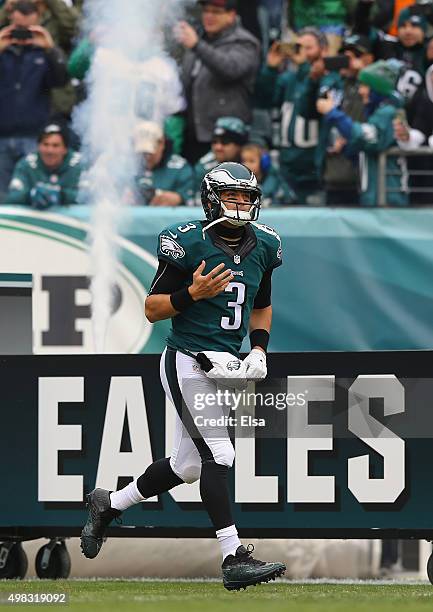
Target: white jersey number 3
{"points": [[226, 322]]}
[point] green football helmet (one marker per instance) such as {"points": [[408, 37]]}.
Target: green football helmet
{"points": [[234, 177]]}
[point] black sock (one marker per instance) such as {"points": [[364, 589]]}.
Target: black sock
{"points": [[214, 493], [158, 478]]}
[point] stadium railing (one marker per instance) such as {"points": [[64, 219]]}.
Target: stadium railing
{"points": [[383, 190]]}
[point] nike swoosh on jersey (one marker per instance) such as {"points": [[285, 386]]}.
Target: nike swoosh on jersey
{"points": [[172, 235]]}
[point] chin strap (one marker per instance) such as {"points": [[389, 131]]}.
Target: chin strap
{"points": [[232, 221], [212, 224]]}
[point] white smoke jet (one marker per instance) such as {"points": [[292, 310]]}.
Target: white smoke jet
{"points": [[131, 79]]}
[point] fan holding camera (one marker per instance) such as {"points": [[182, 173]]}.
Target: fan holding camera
{"points": [[32, 35], [30, 67], [279, 86], [61, 19], [337, 165], [58, 17]]}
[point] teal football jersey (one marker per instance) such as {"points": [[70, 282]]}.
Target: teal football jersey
{"points": [[219, 323]]}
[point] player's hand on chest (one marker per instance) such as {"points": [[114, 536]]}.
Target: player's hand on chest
{"points": [[206, 285], [223, 275]]}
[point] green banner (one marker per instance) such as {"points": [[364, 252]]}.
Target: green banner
{"points": [[351, 279]]}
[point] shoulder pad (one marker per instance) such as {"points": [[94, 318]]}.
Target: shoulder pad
{"points": [[184, 231], [268, 230], [176, 162], [272, 243], [32, 160], [170, 247], [176, 240]]}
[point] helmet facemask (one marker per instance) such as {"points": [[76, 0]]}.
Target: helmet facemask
{"points": [[235, 215], [230, 177]]}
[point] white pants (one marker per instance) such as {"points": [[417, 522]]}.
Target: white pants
{"points": [[195, 441]]}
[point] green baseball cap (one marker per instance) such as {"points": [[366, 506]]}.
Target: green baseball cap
{"points": [[382, 76], [231, 128]]}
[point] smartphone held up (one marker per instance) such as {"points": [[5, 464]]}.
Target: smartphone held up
{"points": [[21, 34], [336, 63], [288, 49]]}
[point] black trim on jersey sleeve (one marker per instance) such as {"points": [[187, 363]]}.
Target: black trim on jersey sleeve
{"points": [[276, 265], [168, 279], [263, 296]]}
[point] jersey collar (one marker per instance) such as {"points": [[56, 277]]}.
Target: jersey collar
{"points": [[247, 244]]}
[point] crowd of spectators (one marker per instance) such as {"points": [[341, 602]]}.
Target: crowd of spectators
{"points": [[309, 94]]}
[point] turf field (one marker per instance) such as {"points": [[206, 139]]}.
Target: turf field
{"points": [[191, 596]]}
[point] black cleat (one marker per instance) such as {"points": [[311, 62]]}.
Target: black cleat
{"points": [[242, 570], [100, 516]]}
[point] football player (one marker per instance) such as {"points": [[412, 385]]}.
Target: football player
{"points": [[213, 281]]}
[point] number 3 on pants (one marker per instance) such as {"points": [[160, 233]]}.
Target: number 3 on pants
{"points": [[237, 306]]}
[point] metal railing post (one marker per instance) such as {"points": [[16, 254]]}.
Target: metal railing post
{"points": [[382, 174], [381, 179]]}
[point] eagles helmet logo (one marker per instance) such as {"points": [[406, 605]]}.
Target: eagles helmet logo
{"points": [[230, 176], [170, 247], [233, 365]]}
